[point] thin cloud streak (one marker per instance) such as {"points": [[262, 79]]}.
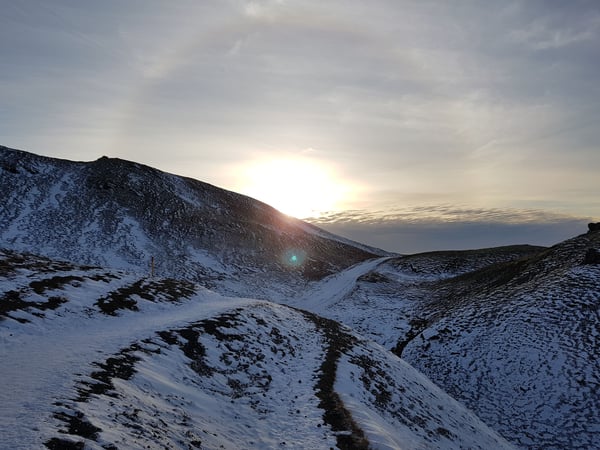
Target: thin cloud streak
{"points": [[443, 214], [445, 227]]}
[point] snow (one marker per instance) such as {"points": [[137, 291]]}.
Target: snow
{"points": [[113, 357], [522, 355], [44, 358], [395, 418], [528, 365], [165, 386], [325, 294], [178, 365], [378, 311], [79, 212]]}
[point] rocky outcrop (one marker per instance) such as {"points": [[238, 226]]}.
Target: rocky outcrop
{"points": [[593, 227]]}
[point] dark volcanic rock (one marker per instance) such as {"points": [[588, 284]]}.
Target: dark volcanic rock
{"points": [[593, 227]]}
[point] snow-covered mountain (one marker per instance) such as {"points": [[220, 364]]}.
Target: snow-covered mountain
{"points": [[121, 214], [101, 359], [513, 333], [97, 353]]}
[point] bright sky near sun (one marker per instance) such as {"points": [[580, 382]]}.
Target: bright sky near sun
{"points": [[393, 122], [299, 186]]}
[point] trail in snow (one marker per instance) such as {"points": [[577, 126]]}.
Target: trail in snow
{"points": [[45, 361], [140, 363], [371, 297], [326, 293]]}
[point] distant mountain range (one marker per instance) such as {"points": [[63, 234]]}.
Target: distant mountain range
{"points": [[99, 352]]}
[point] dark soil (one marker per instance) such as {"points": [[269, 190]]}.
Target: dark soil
{"points": [[78, 425], [64, 444], [121, 366], [56, 282], [150, 290], [417, 326], [13, 301], [336, 415]]}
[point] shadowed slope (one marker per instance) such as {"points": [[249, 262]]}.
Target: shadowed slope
{"points": [[120, 214], [519, 343]]}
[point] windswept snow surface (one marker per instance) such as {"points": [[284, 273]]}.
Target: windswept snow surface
{"points": [[103, 359], [513, 333], [524, 354]]}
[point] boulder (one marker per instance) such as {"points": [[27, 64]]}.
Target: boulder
{"points": [[593, 227]]}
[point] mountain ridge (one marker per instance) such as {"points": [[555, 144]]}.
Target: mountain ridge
{"points": [[123, 214], [511, 332]]}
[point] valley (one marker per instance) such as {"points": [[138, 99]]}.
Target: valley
{"points": [[256, 330]]}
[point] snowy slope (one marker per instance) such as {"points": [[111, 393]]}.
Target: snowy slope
{"points": [[121, 214], [520, 345], [511, 332], [384, 299], [101, 359]]}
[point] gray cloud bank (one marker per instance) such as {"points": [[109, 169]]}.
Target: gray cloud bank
{"points": [[414, 230]]}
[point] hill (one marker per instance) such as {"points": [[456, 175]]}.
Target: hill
{"points": [[122, 214], [519, 343], [511, 332], [98, 358], [99, 352]]}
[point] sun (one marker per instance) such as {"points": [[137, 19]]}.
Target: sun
{"points": [[298, 187]]}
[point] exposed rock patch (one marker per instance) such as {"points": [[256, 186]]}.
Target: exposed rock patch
{"points": [[592, 256]]}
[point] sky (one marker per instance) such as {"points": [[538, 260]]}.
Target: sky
{"points": [[408, 125]]}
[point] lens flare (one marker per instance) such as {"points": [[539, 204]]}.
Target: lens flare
{"points": [[293, 257]]}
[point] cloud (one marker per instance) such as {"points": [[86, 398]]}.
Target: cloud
{"points": [[441, 214], [478, 103], [445, 227], [555, 29]]}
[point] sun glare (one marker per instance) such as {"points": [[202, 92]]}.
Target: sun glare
{"points": [[298, 187]]}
